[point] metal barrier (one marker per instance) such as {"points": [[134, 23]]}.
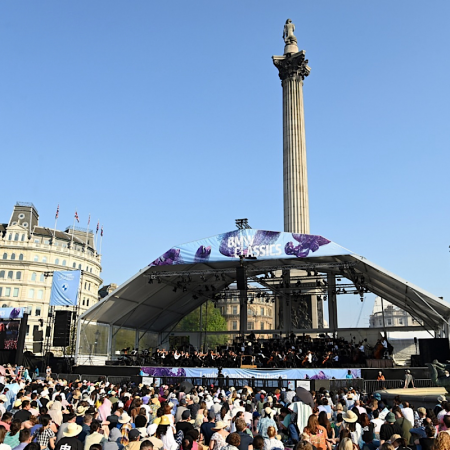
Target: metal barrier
{"points": [[374, 385]]}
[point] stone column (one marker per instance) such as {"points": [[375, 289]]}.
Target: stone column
{"points": [[292, 69]]}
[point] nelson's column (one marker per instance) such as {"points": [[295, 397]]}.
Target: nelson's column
{"points": [[292, 68]]}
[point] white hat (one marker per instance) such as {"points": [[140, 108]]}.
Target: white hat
{"points": [[151, 429], [72, 429], [219, 425], [216, 400], [124, 418]]}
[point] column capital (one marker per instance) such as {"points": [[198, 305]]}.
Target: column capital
{"points": [[292, 65]]}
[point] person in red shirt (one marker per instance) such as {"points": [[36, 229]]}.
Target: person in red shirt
{"points": [[6, 420]]}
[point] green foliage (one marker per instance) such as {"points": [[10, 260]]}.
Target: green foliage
{"points": [[212, 320]]}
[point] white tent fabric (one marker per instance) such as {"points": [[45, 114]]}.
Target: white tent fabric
{"points": [[158, 306]]}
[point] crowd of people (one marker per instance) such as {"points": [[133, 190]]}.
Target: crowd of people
{"points": [[292, 351], [47, 414]]}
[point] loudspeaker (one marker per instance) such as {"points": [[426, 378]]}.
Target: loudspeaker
{"points": [[431, 349], [61, 330], [37, 347], [241, 279], [38, 336]]}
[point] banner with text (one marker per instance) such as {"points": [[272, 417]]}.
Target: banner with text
{"points": [[251, 243], [11, 313]]}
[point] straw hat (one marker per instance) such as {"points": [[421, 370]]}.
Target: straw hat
{"points": [[219, 425], [350, 417], [339, 407], [17, 403], [80, 411], [124, 418], [72, 430]]}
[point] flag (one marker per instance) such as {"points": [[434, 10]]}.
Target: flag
{"points": [[57, 212], [101, 233], [65, 288], [89, 219], [76, 217], [98, 225]]}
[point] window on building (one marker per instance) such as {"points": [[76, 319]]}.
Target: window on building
{"points": [[28, 310], [2, 274], [48, 332], [13, 256], [30, 293], [28, 329], [235, 310], [37, 311], [234, 325], [18, 275], [36, 258], [37, 241], [41, 277], [46, 241], [10, 275], [44, 259], [89, 286], [10, 237], [64, 262], [4, 305], [389, 322], [33, 276], [16, 237], [83, 303], [87, 302], [90, 270], [5, 255], [16, 292], [400, 321], [35, 329], [262, 311], [261, 326], [7, 293], [87, 268], [22, 237], [74, 265], [250, 325], [40, 294], [1, 291], [85, 285], [79, 266], [21, 257]]}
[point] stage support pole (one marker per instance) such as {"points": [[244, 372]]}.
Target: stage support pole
{"points": [[243, 313], [332, 303], [110, 341], [287, 322]]}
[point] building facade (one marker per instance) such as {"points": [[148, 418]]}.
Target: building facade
{"points": [[30, 253], [393, 316]]}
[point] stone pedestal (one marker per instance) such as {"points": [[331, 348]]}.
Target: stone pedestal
{"points": [[293, 68]]}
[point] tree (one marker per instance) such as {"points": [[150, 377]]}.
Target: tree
{"points": [[212, 320]]}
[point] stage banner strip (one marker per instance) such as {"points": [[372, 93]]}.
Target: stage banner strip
{"points": [[11, 313], [65, 288], [259, 374]]}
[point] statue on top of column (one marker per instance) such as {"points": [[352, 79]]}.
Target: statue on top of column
{"points": [[288, 33]]}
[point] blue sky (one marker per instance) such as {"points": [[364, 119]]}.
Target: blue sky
{"points": [[163, 120]]}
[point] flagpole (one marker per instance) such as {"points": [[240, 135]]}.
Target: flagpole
{"points": [[96, 235], [73, 228], [56, 221], [101, 239], [87, 229]]}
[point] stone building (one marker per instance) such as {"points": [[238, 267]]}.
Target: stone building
{"points": [[30, 253], [260, 314], [393, 316]]}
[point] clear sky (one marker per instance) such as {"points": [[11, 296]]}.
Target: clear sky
{"points": [[163, 120]]}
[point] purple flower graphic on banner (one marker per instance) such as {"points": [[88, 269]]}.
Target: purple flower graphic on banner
{"points": [[266, 237], [224, 248], [307, 243], [15, 312], [163, 372], [172, 256], [202, 254]]}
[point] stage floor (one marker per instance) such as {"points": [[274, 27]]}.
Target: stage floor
{"points": [[426, 397]]}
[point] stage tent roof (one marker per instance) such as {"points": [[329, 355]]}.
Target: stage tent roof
{"points": [[153, 300]]}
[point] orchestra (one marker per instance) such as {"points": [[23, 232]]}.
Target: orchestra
{"points": [[290, 352]]}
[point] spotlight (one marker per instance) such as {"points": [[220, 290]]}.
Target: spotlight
{"points": [[174, 289], [263, 294], [267, 300], [298, 283], [202, 277], [272, 275], [150, 280], [184, 288], [317, 282], [325, 298], [319, 298], [344, 291], [308, 273], [206, 288], [315, 273], [266, 275], [258, 295], [324, 283], [217, 277], [159, 280]]}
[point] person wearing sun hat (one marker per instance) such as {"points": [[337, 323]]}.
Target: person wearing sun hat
{"points": [[389, 428], [70, 440], [218, 439], [351, 424]]}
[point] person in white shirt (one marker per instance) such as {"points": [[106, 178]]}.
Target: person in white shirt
{"points": [[377, 422], [407, 412]]}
